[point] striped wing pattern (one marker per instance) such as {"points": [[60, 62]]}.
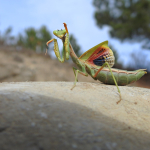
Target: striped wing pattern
{"points": [[101, 55]]}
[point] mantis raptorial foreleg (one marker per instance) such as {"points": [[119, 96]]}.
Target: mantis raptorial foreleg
{"points": [[66, 49], [56, 50], [66, 43], [106, 64], [75, 70]]}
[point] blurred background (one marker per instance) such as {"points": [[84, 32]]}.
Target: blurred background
{"points": [[25, 27]]}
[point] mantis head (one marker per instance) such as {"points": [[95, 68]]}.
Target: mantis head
{"points": [[59, 33]]}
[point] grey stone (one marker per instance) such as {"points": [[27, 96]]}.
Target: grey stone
{"points": [[50, 116]]}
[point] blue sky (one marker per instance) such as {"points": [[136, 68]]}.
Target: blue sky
{"points": [[79, 16]]}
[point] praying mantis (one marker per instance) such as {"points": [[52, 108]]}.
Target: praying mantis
{"points": [[96, 62]]}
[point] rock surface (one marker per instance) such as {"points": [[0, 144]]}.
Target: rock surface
{"points": [[48, 115]]}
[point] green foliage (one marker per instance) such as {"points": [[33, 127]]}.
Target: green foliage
{"points": [[31, 39], [8, 31], [128, 19], [74, 44], [139, 62], [7, 38], [44, 35], [34, 39]]}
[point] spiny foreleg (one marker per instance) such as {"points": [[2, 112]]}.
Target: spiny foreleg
{"points": [[56, 50], [66, 43]]}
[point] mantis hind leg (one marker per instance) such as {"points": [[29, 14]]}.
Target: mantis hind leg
{"points": [[106, 64], [76, 71]]}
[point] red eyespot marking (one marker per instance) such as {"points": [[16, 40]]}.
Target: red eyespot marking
{"points": [[99, 55]]}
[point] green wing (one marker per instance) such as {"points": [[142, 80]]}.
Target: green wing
{"points": [[91, 51]]}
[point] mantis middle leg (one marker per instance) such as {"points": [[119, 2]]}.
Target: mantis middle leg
{"points": [[75, 70]]}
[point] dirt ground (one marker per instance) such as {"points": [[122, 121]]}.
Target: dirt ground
{"points": [[26, 65]]}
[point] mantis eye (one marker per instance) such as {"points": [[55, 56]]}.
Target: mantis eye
{"points": [[57, 30]]}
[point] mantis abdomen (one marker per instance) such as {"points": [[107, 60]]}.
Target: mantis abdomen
{"points": [[122, 77]]}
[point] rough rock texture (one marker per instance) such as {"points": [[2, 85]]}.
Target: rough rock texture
{"points": [[50, 116]]}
